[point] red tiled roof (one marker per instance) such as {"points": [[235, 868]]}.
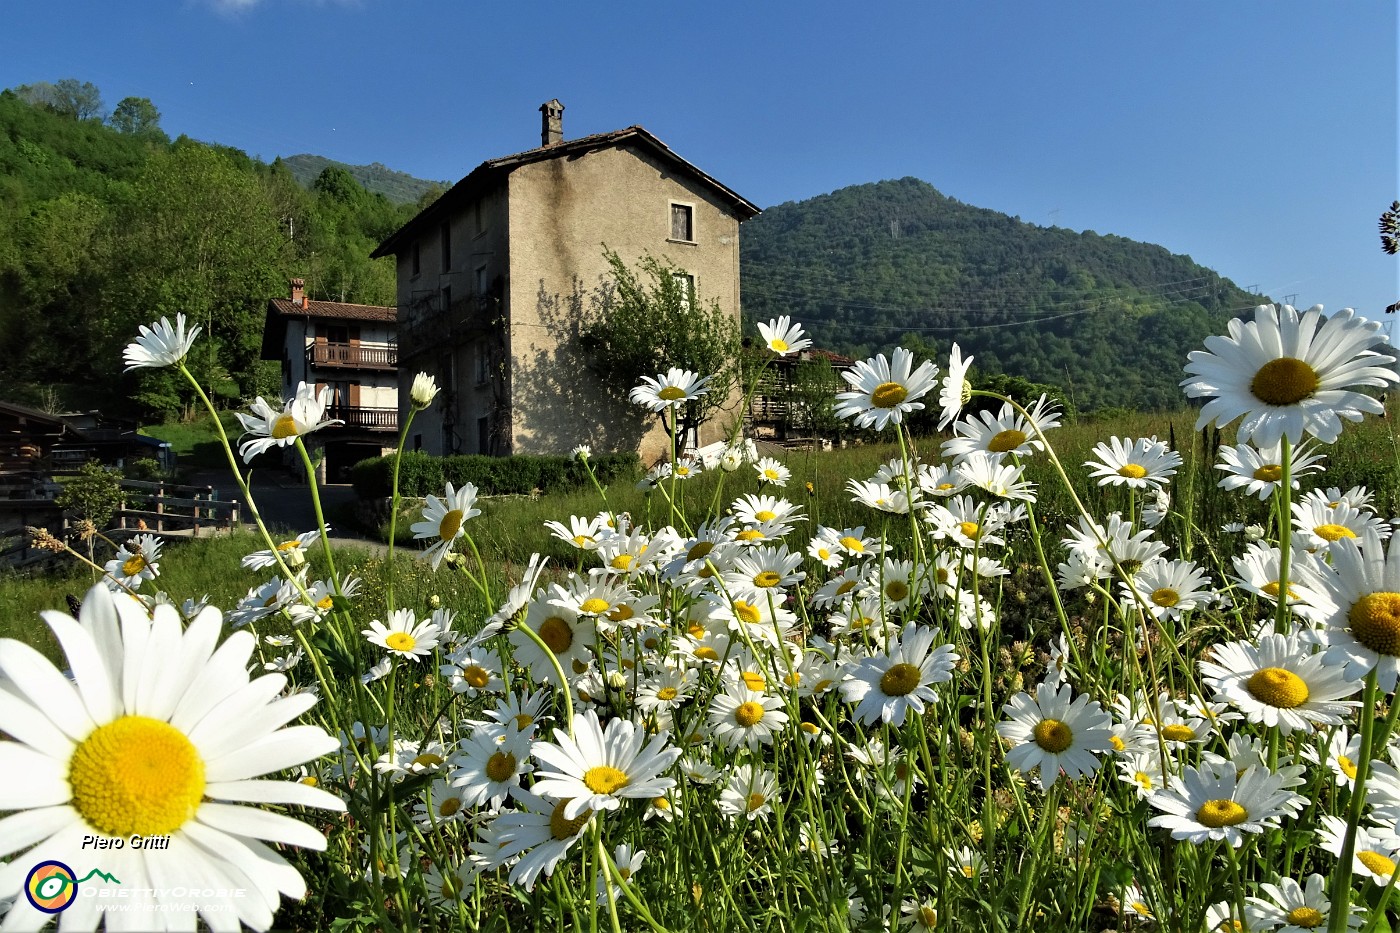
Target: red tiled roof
{"points": [[469, 186], [335, 310]]}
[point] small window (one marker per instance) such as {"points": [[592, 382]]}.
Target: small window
{"points": [[683, 222], [483, 362], [483, 435], [686, 282], [446, 247], [481, 281]]}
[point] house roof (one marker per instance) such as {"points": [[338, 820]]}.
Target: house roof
{"points": [[492, 170], [338, 310]]}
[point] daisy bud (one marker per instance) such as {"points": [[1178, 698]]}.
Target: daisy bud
{"points": [[424, 390]]}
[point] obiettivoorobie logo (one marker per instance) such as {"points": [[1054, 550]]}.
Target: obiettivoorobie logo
{"points": [[51, 886]]}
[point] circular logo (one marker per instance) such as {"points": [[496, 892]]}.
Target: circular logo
{"points": [[51, 886]]}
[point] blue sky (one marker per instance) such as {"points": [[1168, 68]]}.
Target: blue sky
{"points": [[1260, 138]]}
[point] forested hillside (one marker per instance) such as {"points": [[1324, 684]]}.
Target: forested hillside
{"points": [[107, 224], [398, 187], [871, 266]]}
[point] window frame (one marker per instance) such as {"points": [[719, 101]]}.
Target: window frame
{"points": [[689, 208]]}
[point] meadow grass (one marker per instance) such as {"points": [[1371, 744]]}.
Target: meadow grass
{"points": [[837, 821]]}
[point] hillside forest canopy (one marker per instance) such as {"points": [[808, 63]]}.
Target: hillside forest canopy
{"points": [[106, 223]]}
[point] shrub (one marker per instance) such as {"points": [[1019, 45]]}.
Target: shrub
{"points": [[94, 494]]}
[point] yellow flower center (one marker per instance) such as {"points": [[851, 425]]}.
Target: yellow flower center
{"points": [[767, 578], [853, 544], [746, 612], [661, 803], [582, 540], [770, 474], [604, 779], [888, 395], [748, 714], [699, 549], [1166, 597], [133, 565], [1144, 780], [810, 728], [561, 828], [1272, 588], [427, 760], [666, 694], [1132, 471], [555, 633], [1305, 917], [1331, 532], [450, 806], [756, 801], [400, 641], [1284, 381], [778, 345], [1278, 687], [896, 590], [1378, 863], [477, 676], [706, 653], [325, 603], [900, 680], [1117, 743], [291, 545], [524, 721], [1217, 813], [621, 613], [764, 515], [970, 529], [671, 394], [1005, 441], [283, 427], [621, 562], [928, 917], [450, 525], [823, 553], [749, 534], [968, 871], [1052, 735], [1177, 732], [594, 605], [753, 680], [501, 767], [1347, 765], [310, 780], [1375, 621], [136, 775]]}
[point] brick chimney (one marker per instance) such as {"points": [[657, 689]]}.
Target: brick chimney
{"points": [[299, 293], [551, 123]]}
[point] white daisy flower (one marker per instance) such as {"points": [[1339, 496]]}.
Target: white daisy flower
{"points": [[443, 520], [581, 532], [919, 916], [770, 470], [1167, 588], [1008, 431], [489, 764], [1259, 470], [884, 391], [269, 428], [954, 391], [160, 345], [1363, 585], [1289, 375], [1295, 908], [1140, 464], [535, 839], [596, 769], [1204, 803], [782, 337], [403, 635], [669, 390], [887, 685], [628, 863], [293, 552], [741, 716], [749, 794], [135, 561], [878, 496], [423, 391], [1053, 733], [1277, 682], [1319, 525], [1374, 853], [157, 734]]}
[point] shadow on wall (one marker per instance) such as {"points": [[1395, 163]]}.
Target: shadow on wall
{"points": [[558, 399]]}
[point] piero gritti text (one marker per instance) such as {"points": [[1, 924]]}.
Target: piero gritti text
{"points": [[135, 841]]}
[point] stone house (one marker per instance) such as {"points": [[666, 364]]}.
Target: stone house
{"points": [[494, 279], [351, 349]]}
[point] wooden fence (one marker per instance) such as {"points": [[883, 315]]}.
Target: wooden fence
{"points": [[171, 507]]}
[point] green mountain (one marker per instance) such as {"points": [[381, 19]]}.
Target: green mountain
{"points": [[873, 266], [398, 187]]}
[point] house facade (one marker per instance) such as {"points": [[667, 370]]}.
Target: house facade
{"points": [[350, 349], [496, 277]]}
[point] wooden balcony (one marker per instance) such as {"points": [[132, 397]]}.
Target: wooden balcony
{"points": [[371, 419], [352, 356]]}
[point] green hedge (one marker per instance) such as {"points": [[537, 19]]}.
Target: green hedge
{"points": [[422, 474]]}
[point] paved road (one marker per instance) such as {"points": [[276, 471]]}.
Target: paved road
{"points": [[286, 504]]}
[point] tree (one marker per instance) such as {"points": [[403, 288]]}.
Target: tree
{"points": [[70, 97], [649, 319], [136, 116]]}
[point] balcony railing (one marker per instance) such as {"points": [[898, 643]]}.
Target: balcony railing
{"points": [[352, 356], [426, 325], [374, 419]]}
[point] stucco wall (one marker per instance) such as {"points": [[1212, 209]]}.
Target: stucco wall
{"points": [[562, 212]]}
